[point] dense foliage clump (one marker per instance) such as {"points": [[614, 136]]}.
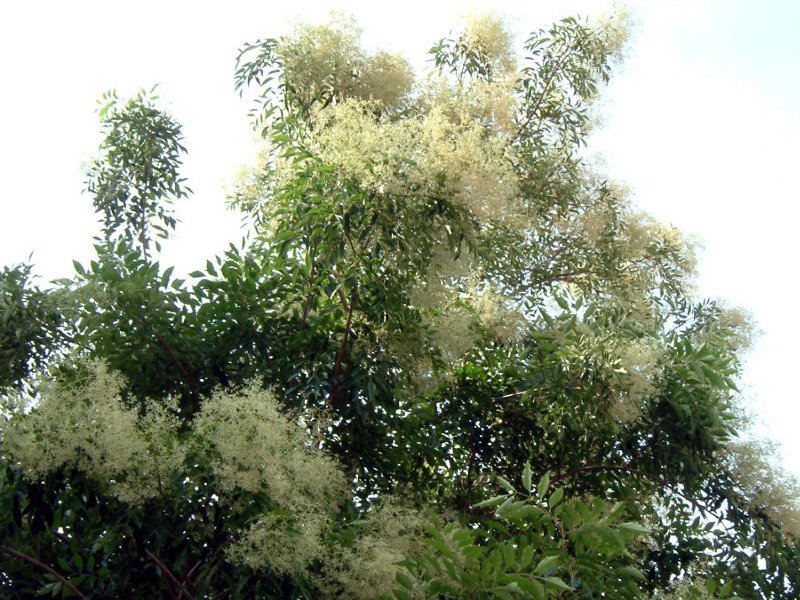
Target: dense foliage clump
{"points": [[452, 361]]}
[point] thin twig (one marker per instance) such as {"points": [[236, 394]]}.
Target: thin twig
{"points": [[511, 395], [187, 579]]}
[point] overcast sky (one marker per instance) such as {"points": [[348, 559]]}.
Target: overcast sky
{"points": [[702, 123]]}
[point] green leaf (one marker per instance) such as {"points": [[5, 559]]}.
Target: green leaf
{"points": [[541, 487], [555, 497], [404, 580], [513, 587], [166, 276], [79, 269], [616, 510], [494, 501], [632, 572], [558, 583], [635, 527], [531, 587], [546, 564], [526, 476], [505, 484]]}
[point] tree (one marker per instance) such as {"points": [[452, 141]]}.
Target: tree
{"points": [[452, 361], [137, 174]]}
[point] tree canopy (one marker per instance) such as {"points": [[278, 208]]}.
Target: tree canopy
{"points": [[451, 361]]}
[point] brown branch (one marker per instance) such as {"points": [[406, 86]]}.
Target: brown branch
{"points": [[636, 473], [170, 577], [569, 277], [342, 298], [312, 275], [44, 567], [620, 468], [337, 368], [187, 579], [174, 357]]}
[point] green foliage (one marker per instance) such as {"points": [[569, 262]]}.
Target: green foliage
{"points": [[453, 362], [531, 546], [28, 322], [136, 176]]}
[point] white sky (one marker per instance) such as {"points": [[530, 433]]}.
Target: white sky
{"points": [[703, 124]]}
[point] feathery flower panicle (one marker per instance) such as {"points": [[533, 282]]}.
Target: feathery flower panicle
{"points": [[765, 486], [89, 427], [420, 154], [286, 544], [325, 62], [387, 79], [638, 367], [487, 35], [615, 27], [392, 532], [260, 450], [256, 448]]}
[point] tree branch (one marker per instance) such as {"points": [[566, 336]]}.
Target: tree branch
{"points": [[569, 277], [312, 275], [170, 577], [620, 468], [636, 473], [532, 112], [337, 369], [44, 567], [174, 357]]}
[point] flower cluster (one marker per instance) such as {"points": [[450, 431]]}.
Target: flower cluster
{"points": [[639, 362], [256, 448], [88, 426], [321, 62], [392, 532], [486, 35], [425, 155], [765, 487]]}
